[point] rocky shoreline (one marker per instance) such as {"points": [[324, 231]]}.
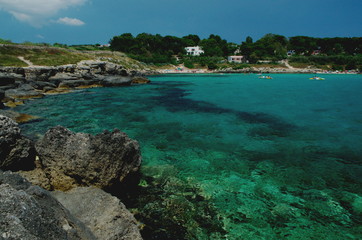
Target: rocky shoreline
{"points": [[20, 83], [60, 186], [58, 192]]}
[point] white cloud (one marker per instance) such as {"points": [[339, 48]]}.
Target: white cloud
{"points": [[36, 12], [70, 21]]}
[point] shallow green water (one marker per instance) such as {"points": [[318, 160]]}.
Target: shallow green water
{"points": [[277, 158]]}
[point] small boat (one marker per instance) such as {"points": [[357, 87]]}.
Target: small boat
{"points": [[266, 77], [317, 78]]}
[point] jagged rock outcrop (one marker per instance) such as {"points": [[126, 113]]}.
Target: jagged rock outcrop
{"points": [[33, 82], [112, 81], [25, 91], [40, 85], [30, 212], [102, 213], [39, 73], [78, 159], [16, 151]]}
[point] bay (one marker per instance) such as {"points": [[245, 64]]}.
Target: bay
{"points": [[271, 158]]}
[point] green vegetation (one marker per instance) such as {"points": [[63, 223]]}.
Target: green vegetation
{"points": [[335, 62], [82, 47], [157, 50], [270, 47], [329, 53], [9, 60], [4, 41], [54, 56], [39, 56]]}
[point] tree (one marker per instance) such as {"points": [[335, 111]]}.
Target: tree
{"points": [[191, 40], [246, 47], [271, 46], [303, 44], [231, 48], [123, 43], [211, 47], [173, 44], [248, 40], [221, 43]]}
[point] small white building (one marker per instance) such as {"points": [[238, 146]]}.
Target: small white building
{"points": [[194, 51], [105, 45], [290, 53], [236, 59]]}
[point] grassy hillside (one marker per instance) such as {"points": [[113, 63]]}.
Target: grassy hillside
{"points": [[52, 56]]}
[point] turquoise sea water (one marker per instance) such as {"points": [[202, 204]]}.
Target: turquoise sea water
{"points": [[275, 158]]}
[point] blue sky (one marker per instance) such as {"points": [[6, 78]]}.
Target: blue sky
{"points": [[97, 21]]}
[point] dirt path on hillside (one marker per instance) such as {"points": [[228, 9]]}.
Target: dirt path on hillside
{"points": [[286, 63], [30, 64]]}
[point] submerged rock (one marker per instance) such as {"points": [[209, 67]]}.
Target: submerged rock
{"points": [[79, 159], [102, 213], [75, 83], [140, 80], [16, 151], [18, 117], [30, 212]]}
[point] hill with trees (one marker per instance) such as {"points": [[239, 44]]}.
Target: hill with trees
{"points": [[340, 53], [337, 53]]}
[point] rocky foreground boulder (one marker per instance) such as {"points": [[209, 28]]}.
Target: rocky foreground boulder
{"points": [[102, 213], [30, 212], [16, 151], [78, 159], [64, 160]]}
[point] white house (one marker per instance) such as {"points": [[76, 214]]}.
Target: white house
{"points": [[194, 51], [290, 53], [236, 59]]}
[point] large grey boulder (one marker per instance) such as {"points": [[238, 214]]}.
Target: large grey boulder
{"points": [[16, 151], [79, 159], [102, 213], [63, 76], [30, 212], [40, 85], [39, 73], [114, 81], [115, 69]]}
